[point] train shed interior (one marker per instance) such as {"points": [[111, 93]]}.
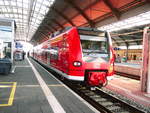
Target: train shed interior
{"points": [[31, 80]]}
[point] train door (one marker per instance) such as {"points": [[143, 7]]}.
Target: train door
{"points": [[48, 58], [45, 56], [60, 55], [64, 61], [54, 56], [65, 56]]}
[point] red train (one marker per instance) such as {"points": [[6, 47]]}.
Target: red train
{"points": [[79, 54]]}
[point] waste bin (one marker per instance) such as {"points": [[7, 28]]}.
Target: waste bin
{"points": [[5, 66]]}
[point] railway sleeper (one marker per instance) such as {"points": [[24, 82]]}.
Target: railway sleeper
{"points": [[90, 94], [124, 112], [98, 100], [101, 100], [106, 103], [82, 88], [115, 109], [95, 96], [121, 111]]}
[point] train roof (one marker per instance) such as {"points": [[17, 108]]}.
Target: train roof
{"points": [[85, 29], [89, 29], [81, 30]]}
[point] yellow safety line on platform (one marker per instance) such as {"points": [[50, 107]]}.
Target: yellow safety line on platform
{"points": [[12, 94], [7, 82], [5, 86]]}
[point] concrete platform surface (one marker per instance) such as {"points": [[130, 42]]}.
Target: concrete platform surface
{"points": [[129, 88], [129, 64], [128, 68], [22, 92]]}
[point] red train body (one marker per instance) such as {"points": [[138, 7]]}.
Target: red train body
{"points": [[80, 54]]}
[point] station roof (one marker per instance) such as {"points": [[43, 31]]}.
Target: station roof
{"points": [[36, 19], [129, 31], [128, 37], [28, 14]]}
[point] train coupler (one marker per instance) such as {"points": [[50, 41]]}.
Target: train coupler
{"points": [[97, 78]]}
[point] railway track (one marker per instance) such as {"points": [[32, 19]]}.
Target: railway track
{"points": [[100, 99], [128, 75], [105, 102]]}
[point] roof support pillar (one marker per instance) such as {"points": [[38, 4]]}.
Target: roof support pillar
{"points": [[127, 45], [145, 72]]}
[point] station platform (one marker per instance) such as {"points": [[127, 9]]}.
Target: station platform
{"points": [[130, 89], [134, 65], [31, 89], [132, 69]]}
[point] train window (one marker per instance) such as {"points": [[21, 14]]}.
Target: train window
{"points": [[94, 44]]}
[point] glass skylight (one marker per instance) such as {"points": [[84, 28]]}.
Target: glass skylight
{"points": [[138, 20], [28, 15]]}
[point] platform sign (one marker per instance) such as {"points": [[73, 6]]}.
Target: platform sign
{"points": [[6, 32]]}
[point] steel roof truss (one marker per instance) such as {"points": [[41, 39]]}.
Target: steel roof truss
{"points": [[115, 12], [63, 16], [55, 21], [90, 22]]}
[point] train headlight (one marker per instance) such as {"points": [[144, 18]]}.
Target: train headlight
{"points": [[77, 63]]}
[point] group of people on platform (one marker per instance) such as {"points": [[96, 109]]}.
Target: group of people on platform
{"points": [[124, 58]]}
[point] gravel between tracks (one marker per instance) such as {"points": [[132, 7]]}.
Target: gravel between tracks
{"points": [[127, 100]]}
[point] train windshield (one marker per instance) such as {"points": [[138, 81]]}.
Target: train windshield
{"points": [[94, 45]]}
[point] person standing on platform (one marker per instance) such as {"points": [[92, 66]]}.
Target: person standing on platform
{"points": [[118, 58], [28, 54], [23, 55]]}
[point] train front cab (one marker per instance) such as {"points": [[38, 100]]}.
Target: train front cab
{"points": [[95, 59]]}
